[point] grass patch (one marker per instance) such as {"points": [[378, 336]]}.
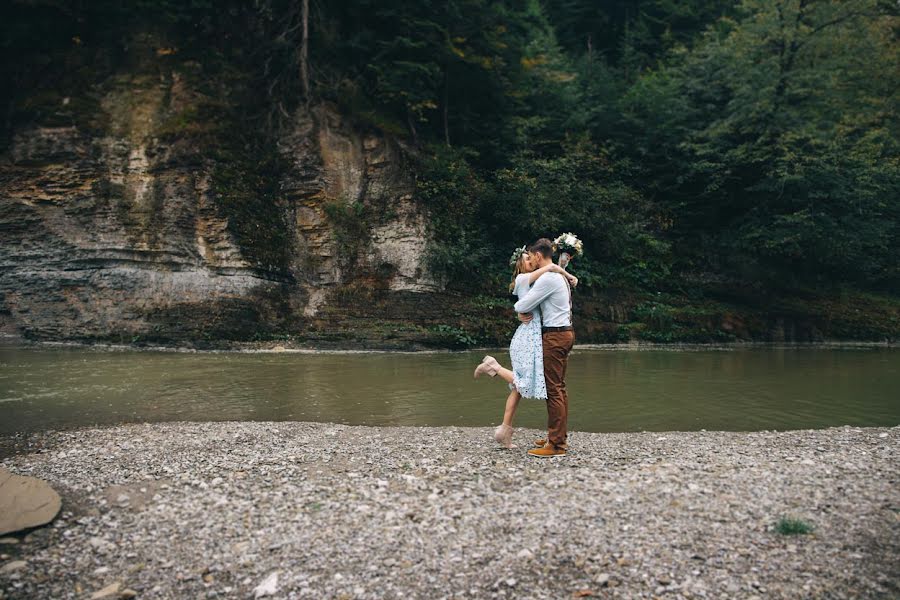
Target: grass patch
{"points": [[192, 122], [790, 526], [453, 337]]}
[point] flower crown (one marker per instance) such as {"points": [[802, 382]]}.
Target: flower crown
{"points": [[516, 255]]}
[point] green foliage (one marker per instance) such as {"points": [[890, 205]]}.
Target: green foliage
{"points": [[489, 303], [658, 315], [772, 146], [247, 193], [454, 337], [630, 34], [350, 223], [446, 69], [849, 315], [475, 217], [200, 123], [791, 526], [747, 146], [450, 190]]}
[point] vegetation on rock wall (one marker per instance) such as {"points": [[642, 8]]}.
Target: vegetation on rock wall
{"points": [[722, 161], [350, 223], [246, 191]]}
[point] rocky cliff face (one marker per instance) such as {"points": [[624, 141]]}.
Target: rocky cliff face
{"points": [[118, 232], [336, 166], [126, 216]]}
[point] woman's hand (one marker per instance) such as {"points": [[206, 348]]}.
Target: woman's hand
{"points": [[573, 281]]}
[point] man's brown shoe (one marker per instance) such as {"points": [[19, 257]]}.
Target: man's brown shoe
{"points": [[543, 442], [547, 451]]}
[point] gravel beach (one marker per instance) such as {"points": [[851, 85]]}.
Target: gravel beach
{"points": [[297, 510]]}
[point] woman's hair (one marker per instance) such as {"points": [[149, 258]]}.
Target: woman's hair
{"points": [[518, 269]]}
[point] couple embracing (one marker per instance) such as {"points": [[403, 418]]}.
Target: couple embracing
{"points": [[540, 348]]}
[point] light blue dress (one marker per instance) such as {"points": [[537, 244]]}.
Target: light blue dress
{"points": [[526, 351]]}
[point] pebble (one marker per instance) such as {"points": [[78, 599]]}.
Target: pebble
{"points": [[235, 509], [107, 592], [268, 586], [13, 566]]}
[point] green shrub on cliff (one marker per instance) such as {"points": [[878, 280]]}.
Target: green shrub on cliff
{"points": [[350, 224], [705, 147], [478, 217], [247, 194]]}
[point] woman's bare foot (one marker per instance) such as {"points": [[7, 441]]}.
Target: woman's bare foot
{"points": [[503, 435]]}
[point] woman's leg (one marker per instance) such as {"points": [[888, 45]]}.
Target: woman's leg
{"points": [[504, 432], [490, 366], [507, 376], [512, 403]]}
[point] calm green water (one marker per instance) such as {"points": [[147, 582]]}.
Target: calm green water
{"points": [[610, 390]]}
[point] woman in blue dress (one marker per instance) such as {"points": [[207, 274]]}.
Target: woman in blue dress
{"points": [[526, 379]]}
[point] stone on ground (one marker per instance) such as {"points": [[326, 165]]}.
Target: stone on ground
{"points": [[25, 502]]}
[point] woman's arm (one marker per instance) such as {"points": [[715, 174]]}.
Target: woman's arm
{"points": [[534, 275], [552, 268]]}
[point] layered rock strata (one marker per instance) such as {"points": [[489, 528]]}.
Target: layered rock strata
{"points": [[120, 234]]}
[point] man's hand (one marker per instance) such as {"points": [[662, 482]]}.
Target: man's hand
{"points": [[526, 317]]}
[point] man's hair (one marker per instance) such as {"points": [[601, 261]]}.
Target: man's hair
{"points": [[544, 247]]}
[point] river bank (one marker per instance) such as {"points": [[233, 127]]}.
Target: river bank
{"points": [[214, 509], [228, 346], [416, 322]]}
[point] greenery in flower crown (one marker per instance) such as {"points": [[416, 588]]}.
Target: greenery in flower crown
{"points": [[517, 253]]}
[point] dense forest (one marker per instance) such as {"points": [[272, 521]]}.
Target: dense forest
{"points": [[704, 150]]}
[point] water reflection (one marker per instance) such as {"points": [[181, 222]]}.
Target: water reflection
{"points": [[619, 390]]}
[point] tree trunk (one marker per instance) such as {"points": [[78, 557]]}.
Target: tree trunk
{"points": [[787, 53], [446, 101], [304, 52], [411, 121], [590, 53]]}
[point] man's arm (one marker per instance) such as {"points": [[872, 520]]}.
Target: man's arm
{"points": [[538, 293]]}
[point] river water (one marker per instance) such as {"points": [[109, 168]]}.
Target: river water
{"points": [[609, 390]]}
